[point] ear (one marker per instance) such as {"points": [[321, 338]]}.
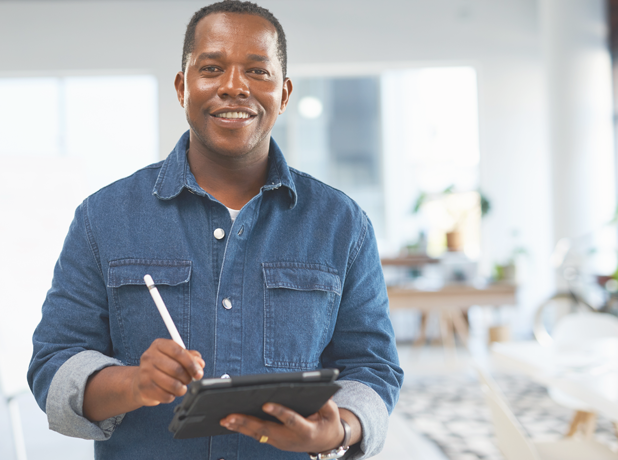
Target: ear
{"points": [[179, 83], [286, 91]]}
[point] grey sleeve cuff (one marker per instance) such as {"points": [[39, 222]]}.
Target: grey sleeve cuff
{"points": [[367, 405], [64, 406]]}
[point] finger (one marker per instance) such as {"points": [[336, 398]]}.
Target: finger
{"points": [[174, 369], [195, 353], [325, 412], [288, 417], [197, 357], [179, 354], [151, 393], [329, 410], [169, 387], [249, 426]]}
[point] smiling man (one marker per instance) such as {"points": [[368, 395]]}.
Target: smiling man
{"points": [[263, 268]]}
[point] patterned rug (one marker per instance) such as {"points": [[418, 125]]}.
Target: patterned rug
{"points": [[450, 410]]}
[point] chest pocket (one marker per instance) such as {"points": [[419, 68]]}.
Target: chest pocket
{"points": [[299, 301], [137, 317]]}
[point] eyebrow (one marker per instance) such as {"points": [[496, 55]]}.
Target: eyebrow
{"points": [[258, 58], [219, 55], [212, 55]]}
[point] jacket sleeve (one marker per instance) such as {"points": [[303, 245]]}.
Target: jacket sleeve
{"points": [[72, 341], [363, 346]]}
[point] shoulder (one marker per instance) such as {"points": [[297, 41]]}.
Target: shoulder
{"points": [[321, 194], [137, 185], [325, 207]]}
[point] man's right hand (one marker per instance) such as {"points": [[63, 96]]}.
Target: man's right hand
{"points": [[163, 374]]}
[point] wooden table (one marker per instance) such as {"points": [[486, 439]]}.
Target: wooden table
{"points": [[589, 373], [411, 260], [450, 302]]}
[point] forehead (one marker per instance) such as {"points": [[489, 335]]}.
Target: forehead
{"points": [[236, 33]]}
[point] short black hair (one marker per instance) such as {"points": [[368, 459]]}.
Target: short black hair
{"points": [[241, 7]]}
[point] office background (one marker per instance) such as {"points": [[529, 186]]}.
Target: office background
{"points": [[539, 73]]}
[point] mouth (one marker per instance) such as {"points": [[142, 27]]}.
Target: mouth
{"points": [[232, 115]]}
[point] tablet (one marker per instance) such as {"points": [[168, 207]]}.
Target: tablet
{"points": [[209, 400]]}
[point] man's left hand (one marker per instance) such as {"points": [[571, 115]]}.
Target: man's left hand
{"points": [[319, 432]]}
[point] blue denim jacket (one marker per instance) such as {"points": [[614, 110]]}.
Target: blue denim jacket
{"points": [[299, 265]]}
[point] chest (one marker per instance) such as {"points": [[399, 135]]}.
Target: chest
{"points": [[259, 294]]}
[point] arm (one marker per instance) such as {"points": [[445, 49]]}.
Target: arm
{"points": [[363, 347], [72, 341], [72, 374]]}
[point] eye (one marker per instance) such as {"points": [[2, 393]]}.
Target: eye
{"points": [[209, 68], [259, 72]]}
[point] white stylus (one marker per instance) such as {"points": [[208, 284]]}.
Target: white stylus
{"points": [[167, 319]]}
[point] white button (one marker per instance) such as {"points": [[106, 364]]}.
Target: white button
{"points": [[227, 303], [219, 233], [225, 376]]}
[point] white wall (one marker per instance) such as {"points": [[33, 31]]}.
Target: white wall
{"points": [[500, 38]]}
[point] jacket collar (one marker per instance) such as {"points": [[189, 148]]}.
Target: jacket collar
{"points": [[176, 175]]}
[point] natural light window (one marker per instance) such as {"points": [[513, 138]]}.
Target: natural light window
{"points": [[431, 138], [108, 124], [386, 140], [61, 139]]}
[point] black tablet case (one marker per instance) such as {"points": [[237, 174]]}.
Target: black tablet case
{"points": [[202, 409]]}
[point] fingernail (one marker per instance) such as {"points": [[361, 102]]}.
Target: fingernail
{"points": [[268, 407], [200, 373]]}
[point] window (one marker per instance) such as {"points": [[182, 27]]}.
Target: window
{"points": [[385, 140], [107, 124], [60, 140], [332, 131]]}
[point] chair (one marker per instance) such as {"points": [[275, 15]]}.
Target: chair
{"points": [[515, 445], [568, 333]]}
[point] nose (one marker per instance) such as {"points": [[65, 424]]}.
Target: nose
{"points": [[234, 84]]}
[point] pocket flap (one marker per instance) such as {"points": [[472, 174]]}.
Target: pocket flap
{"points": [[126, 272], [301, 277]]}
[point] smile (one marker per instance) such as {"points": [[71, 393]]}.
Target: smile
{"points": [[232, 115]]}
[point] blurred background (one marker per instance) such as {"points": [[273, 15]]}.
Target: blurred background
{"points": [[478, 135]]}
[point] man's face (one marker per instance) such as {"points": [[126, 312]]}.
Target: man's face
{"points": [[232, 88]]}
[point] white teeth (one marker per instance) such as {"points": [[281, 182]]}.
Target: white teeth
{"points": [[233, 115]]}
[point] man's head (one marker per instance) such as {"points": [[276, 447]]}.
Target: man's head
{"points": [[241, 7], [233, 86]]}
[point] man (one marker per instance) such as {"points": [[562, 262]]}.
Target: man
{"points": [[263, 268]]}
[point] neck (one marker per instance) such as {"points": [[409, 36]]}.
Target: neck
{"points": [[232, 180]]}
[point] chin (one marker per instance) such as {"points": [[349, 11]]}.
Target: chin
{"points": [[239, 147]]}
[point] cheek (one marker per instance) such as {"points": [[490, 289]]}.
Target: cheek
{"points": [[274, 107]]}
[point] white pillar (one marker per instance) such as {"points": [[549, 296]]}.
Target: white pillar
{"points": [[578, 67]]}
